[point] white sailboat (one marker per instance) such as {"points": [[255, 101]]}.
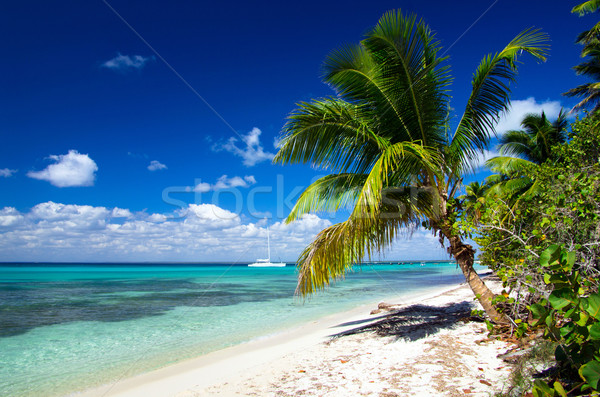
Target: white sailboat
{"points": [[267, 262]]}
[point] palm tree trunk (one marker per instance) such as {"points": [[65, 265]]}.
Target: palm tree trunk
{"points": [[464, 255]]}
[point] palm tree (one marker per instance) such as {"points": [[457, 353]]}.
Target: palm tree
{"points": [[474, 199], [590, 39], [522, 151], [385, 136], [535, 141]]}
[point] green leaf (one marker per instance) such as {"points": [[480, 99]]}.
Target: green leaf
{"points": [[559, 389], [560, 353], [550, 255], [547, 278], [566, 330], [583, 318], [571, 256], [561, 298], [541, 389], [590, 372], [550, 318], [555, 278], [585, 7], [594, 330], [592, 306], [539, 312]]}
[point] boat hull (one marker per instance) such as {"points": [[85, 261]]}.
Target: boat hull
{"points": [[266, 264]]}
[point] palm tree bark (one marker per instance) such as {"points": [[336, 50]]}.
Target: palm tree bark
{"points": [[464, 254]]}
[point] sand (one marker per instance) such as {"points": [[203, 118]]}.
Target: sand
{"points": [[423, 348]]}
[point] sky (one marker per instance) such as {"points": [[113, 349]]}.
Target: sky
{"points": [[144, 130]]}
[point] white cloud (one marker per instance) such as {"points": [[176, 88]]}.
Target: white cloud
{"points": [[202, 187], [307, 223], [6, 173], [205, 232], [224, 182], [201, 232], [253, 152], [156, 165], [71, 169], [9, 216], [51, 211], [157, 218], [121, 213], [519, 108], [210, 214], [126, 62]]}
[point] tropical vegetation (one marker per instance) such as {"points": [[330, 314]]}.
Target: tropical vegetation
{"points": [[547, 254], [386, 137], [521, 152], [590, 39]]}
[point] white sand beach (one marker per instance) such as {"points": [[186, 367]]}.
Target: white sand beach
{"points": [[420, 348]]}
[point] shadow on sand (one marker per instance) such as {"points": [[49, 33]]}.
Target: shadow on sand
{"points": [[413, 322]]}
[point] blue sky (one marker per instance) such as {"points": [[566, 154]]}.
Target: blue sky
{"points": [[143, 130]]}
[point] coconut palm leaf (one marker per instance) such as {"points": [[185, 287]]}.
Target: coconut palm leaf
{"points": [[591, 96], [474, 199], [330, 134], [516, 190], [508, 166], [412, 72], [402, 162], [521, 152], [590, 40], [490, 97], [590, 92], [335, 249], [328, 194], [515, 143], [586, 7]]}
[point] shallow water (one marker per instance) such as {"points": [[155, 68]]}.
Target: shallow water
{"points": [[69, 327]]}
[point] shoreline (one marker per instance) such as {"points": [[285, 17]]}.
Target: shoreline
{"points": [[225, 366]]}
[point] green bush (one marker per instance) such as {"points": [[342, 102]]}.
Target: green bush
{"points": [[545, 248], [511, 231], [570, 316]]}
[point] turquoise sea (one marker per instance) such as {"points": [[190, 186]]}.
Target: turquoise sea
{"points": [[73, 326]]}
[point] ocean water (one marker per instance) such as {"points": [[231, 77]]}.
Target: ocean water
{"points": [[64, 328]]}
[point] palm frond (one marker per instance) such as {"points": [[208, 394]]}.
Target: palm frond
{"points": [[586, 7], [330, 134], [474, 190], [490, 95], [591, 96], [589, 38], [509, 165], [515, 143], [590, 68], [335, 249], [509, 188], [328, 194], [560, 125], [399, 164], [413, 73], [402, 84]]}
